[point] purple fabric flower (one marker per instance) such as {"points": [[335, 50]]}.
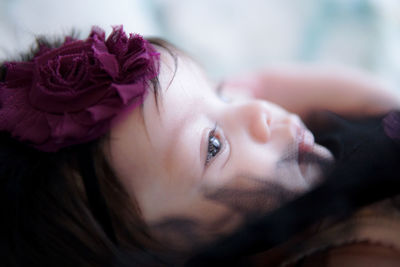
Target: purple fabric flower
{"points": [[68, 95]]}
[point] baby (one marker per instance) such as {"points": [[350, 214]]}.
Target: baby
{"points": [[121, 151]]}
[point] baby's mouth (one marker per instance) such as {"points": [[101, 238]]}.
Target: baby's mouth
{"points": [[305, 141], [313, 159]]}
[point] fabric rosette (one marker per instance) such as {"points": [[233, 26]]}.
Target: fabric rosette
{"points": [[68, 95]]}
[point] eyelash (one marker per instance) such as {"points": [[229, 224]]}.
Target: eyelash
{"points": [[213, 141]]}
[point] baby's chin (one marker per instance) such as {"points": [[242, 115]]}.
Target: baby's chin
{"points": [[314, 164]]}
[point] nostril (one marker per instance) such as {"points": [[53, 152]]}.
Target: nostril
{"points": [[264, 127], [267, 119]]}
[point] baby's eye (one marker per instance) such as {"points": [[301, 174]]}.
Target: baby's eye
{"points": [[214, 145]]}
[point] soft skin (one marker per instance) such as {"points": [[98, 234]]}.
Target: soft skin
{"points": [[188, 195]]}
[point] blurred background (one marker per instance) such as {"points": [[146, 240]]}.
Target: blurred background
{"points": [[228, 36]]}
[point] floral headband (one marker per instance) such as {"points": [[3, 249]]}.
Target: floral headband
{"points": [[68, 95]]}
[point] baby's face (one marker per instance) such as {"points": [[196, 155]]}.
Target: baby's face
{"points": [[199, 162]]}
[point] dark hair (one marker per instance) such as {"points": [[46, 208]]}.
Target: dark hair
{"points": [[47, 221], [47, 216]]}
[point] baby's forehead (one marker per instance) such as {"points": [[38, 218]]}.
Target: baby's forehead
{"points": [[180, 77]]}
